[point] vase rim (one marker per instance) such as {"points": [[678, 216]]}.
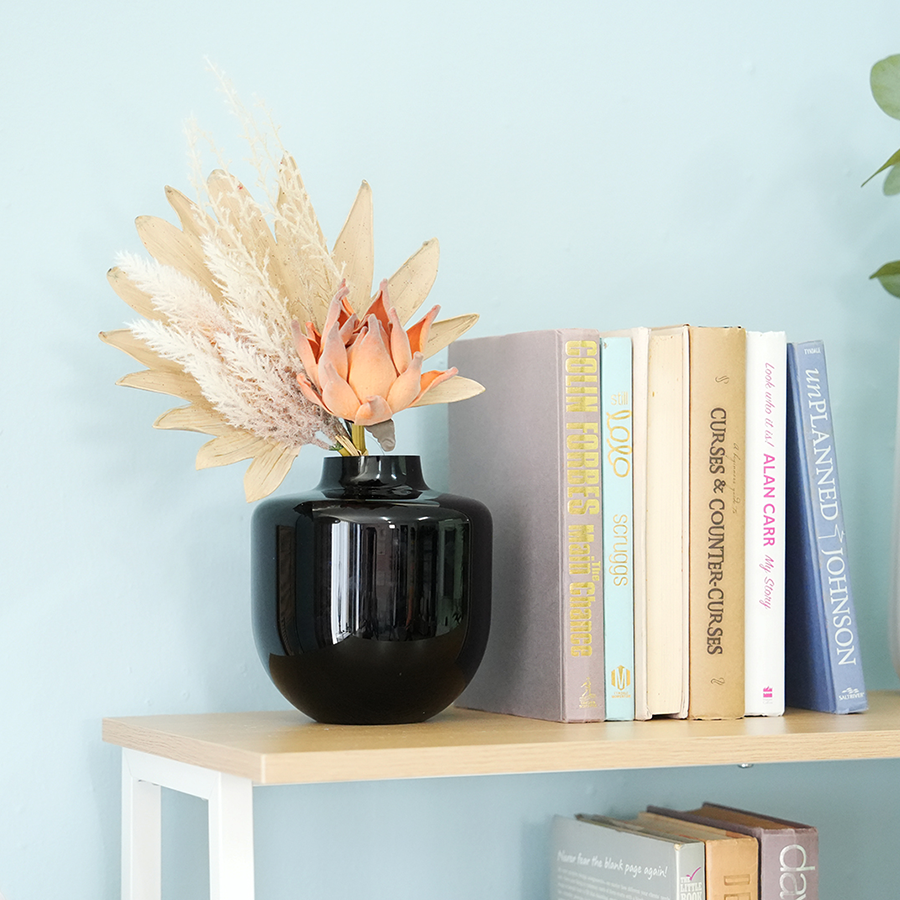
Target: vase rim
{"points": [[374, 471]]}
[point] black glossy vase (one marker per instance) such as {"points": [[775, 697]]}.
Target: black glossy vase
{"points": [[371, 594]]}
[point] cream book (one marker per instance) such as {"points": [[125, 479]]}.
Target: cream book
{"points": [[667, 521]]}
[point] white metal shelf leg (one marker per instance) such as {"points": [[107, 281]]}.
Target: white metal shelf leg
{"points": [[231, 839], [230, 801], [141, 837]]}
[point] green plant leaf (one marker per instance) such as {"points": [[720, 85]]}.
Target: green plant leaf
{"points": [[889, 276], [892, 182], [885, 83], [893, 161]]}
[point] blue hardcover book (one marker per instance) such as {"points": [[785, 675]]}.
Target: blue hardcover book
{"points": [[823, 669], [616, 423]]}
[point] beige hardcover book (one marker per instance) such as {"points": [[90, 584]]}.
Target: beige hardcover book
{"points": [[668, 386], [732, 859], [716, 545]]}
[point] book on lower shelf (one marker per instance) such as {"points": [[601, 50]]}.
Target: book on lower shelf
{"points": [[600, 858], [529, 448], [823, 666], [788, 851], [732, 859]]}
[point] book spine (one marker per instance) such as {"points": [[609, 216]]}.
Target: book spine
{"points": [[667, 524], [820, 604], [593, 860], [764, 538], [716, 501], [788, 864], [788, 851], [581, 517], [618, 526]]}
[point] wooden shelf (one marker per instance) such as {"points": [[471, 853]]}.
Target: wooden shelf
{"points": [[285, 748]]}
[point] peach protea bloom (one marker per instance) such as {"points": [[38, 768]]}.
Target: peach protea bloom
{"points": [[217, 302], [365, 370]]}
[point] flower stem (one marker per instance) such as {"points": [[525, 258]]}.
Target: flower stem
{"points": [[358, 433]]}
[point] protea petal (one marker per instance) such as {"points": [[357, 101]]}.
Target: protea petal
{"points": [[407, 387], [305, 351], [380, 306], [434, 378], [334, 313], [334, 351], [456, 388], [349, 329], [308, 390], [400, 349], [418, 334], [337, 395], [372, 371], [373, 411]]}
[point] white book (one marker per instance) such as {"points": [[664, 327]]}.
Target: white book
{"points": [[764, 532]]}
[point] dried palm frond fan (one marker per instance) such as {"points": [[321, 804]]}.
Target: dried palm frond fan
{"points": [[274, 340]]}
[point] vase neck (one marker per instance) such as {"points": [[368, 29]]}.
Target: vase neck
{"points": [[373, 474]]}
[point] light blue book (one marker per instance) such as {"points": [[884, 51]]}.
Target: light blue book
{"points": [[617, 431]]}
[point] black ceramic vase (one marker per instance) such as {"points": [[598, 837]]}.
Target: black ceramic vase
{"points": [[371, 593]]}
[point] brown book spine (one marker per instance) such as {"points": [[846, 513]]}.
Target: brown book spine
{"points": [[716, 598]]}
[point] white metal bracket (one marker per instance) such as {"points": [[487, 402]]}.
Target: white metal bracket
{"points": [[230, 804]]}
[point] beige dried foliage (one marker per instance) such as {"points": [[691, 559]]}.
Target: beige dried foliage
{"points": [[217, 299]]}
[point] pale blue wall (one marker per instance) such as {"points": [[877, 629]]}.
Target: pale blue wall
{"points": [[583, 161]]}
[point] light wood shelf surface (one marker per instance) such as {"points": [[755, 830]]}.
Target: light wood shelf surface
{"points": [[286, 748]]}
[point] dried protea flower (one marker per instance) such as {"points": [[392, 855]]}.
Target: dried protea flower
{"points": [[366, 369]]}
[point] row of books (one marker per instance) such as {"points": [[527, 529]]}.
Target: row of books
{"points": [[668, 530], [711, 853]]}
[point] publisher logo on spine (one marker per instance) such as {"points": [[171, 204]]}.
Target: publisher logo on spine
{"points": [[620, 678]]}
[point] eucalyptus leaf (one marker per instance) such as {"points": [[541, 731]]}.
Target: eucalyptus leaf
{"points": [[889, 276], [892, 182], [893, 161], [885, 83]]}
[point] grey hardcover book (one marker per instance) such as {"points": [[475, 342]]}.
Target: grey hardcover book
{"points": [[598, 858], [529, 448]]}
